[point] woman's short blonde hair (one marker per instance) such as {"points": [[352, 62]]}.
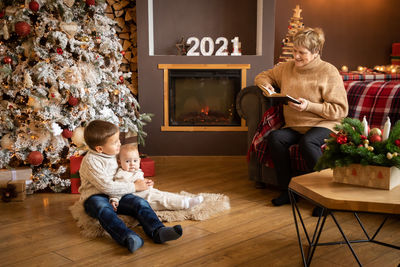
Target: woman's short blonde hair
{"points": [[311, 38]]}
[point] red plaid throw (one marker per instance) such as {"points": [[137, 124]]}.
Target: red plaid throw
{"points": [[271, 120], [374, 99]]}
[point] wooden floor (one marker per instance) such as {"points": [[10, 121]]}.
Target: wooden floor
{"points": [[41, 232]]}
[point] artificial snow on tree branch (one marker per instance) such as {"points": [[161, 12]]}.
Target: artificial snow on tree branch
{"points": [[62, 70]]}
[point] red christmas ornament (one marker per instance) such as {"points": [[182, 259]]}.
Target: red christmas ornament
{"points": [[90, 2], [7, 60], [35, 158], [341, 139], [59, 51], [397, 142], [123, 52], [22, 28], [73, 101], [67, 133], [375, 138], [34, 6]]}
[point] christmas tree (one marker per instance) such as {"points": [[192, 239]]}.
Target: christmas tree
{"points": [[60, 69], [295, 24]]}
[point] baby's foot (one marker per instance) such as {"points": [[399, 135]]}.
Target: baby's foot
{"points": [[165, 234], [134, 242], [194, 201]]}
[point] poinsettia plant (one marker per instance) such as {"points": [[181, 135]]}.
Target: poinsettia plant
{"points": [[353, 144]]}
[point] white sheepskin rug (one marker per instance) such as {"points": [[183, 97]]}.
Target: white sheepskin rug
{"points": [[212, 204]]}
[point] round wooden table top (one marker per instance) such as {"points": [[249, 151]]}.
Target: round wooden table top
{"points": [[319, 187]]}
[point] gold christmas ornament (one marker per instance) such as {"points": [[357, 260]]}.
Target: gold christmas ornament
{"points": [[77, 137], [7, 142]]}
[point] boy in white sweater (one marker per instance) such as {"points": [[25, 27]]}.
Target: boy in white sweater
{"points": [[97, 172], [130, 172]]}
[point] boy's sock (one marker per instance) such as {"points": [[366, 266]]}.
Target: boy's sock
{"points": [[193, 201], [165, 234], [134, 242]]}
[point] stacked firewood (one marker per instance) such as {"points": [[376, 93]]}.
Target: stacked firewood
{"points": [[124, 13]]}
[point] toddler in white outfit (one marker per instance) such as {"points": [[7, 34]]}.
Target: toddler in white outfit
{"points": [[130, 171]]}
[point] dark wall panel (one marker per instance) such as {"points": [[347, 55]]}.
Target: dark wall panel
{"points": [[174, 19], [358, 32]]}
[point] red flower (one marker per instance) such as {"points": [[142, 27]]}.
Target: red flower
{"points": [[341, 139]]}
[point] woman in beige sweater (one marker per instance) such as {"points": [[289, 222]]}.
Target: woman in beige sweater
{"points": [[323, 104]]}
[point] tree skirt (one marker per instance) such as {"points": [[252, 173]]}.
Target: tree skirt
{"points": [[212, 204]]}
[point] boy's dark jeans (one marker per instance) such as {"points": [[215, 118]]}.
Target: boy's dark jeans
{"points": [[98, 206]]}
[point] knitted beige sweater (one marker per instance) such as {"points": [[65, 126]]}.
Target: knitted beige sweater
{"points": [[97, 172], [320, 83]]}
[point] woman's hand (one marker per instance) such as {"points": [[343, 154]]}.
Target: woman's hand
{"points": [[269, 87], [299, 107]]}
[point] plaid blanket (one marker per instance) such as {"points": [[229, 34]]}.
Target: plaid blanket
{"points": [[374, 99], [271, 120]]}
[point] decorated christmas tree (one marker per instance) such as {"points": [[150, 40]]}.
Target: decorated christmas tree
{"points": [[60, 69], [295, 24]]}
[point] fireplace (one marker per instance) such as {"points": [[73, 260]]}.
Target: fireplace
{"points": [[202, 97]]}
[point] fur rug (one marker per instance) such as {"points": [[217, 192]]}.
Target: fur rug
{"points": [[212, 204]]}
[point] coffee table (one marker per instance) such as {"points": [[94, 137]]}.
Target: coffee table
{"points": [[319, 189]]}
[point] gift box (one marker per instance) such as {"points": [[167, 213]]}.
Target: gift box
{"points": [[17, 174], [20, 189], [147, 166], [75, 165]]}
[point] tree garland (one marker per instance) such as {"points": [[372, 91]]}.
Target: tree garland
{"points": [[350, 146]]}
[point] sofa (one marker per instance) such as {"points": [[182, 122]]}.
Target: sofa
{"points": [[374, 96]]}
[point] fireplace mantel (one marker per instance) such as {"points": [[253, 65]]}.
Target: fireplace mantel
{"points": [[167, 67]]}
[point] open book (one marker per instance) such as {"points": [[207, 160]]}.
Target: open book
{"points": [[278, 97]]}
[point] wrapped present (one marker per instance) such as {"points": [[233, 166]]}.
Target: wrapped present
{"points": [[15, 192], [17, 174], [147, 166], [75, 163]]}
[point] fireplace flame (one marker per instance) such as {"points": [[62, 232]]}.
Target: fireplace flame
{"points": [[205, 110]]}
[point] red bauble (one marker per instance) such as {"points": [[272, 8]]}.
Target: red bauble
{"points": [[22, 28], [121, 79], [73, 101], [397, 142], [90, 2], [123, 53], [59, 51], [67, 133], [35, 158], [34, 6], [375, 138], [7, 60]]}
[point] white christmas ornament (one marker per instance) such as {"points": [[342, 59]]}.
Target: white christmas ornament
{"points": [[55, 129], [77, 137]]}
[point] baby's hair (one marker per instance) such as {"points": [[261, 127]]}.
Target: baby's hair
{"points": [[98, 131], [129, 147]]}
